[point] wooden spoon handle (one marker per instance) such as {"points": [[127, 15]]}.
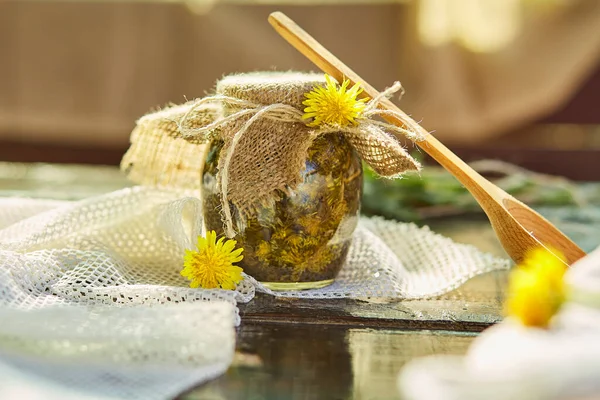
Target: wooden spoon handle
{"points": [[479, 187]]}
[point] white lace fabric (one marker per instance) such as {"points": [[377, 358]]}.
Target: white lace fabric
{"points": [[91, 296]]}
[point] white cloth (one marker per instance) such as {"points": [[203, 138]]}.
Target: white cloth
{"points": [[509, 361], [91, 297]]}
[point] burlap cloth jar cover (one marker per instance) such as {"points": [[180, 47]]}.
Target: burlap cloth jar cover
{"points": [[168, 146]]}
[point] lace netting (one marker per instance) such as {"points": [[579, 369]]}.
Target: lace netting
{"points": [[93, 287]]}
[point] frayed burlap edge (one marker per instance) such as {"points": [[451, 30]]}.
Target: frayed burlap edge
{"points": [[160, 156]]}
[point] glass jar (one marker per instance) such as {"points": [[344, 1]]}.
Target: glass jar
{"points": [[301, 241]]}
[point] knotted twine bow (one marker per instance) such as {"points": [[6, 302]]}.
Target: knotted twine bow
{"points": [[245, 189]]}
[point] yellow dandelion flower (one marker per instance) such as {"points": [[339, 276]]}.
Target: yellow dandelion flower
{"points": [[211, 265], [334, 105], [536, 289]]}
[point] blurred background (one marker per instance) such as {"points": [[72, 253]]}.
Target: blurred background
{"points": [[514, 80]]}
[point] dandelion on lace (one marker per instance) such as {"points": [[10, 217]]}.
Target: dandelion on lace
{"points": [[211, 266]]}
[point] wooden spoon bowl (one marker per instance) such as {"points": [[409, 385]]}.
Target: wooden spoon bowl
{"points": [[518, 227]]}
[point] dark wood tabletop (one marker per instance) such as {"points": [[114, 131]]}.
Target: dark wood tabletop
{"points": [[315, 348]]}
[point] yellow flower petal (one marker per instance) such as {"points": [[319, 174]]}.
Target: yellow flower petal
{"points": [[536, 289], [229, 246]]}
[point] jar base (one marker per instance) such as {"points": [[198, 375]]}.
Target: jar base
{"points": [[285, 286]]}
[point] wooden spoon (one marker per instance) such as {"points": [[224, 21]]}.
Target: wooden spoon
{"points": [[518, 227]]}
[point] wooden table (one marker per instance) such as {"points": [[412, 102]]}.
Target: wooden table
{"points": [[315, 349]]}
